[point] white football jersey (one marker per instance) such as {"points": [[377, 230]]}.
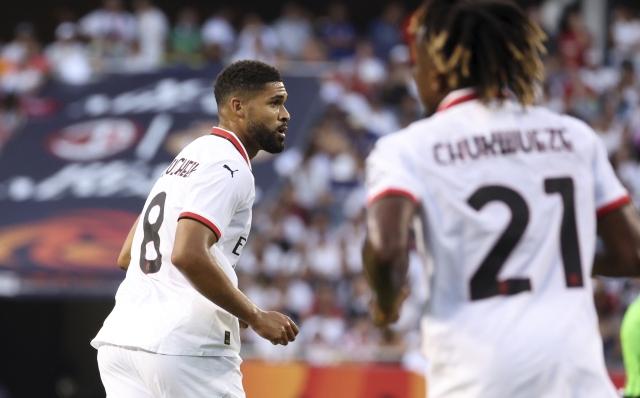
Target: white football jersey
{"points": [[157, 309], [508, 199]]}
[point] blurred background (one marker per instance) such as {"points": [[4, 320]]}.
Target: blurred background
{"points": [[97, 97]]}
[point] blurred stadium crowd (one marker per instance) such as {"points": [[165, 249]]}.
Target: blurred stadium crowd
{"points": [[303, 257]]}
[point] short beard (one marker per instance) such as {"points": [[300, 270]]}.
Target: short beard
{"points": [[267, 139]]}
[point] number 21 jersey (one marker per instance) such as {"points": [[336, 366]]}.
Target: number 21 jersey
{"points": [[157, 309], [508, 200]]}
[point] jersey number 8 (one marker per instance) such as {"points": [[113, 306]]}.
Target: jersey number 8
{"points": [[485, 283], [151, 234]]}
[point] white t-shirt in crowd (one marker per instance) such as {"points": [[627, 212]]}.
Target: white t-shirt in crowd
{"points": [[153, 28], [218, 31], [117, 26], [157, 309], [507, 199]]}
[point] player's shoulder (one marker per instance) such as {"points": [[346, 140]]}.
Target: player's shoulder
{"points": [[577, 125], [579, 130], [405, 137], [211, 148], [215, 156]]}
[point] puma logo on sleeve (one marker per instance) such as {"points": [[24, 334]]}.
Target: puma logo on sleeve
{"points": [[229, 168]]}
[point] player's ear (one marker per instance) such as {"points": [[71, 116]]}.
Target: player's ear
{"points": [[238, 107]]}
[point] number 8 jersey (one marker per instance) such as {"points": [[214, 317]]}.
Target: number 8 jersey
{"points": [[508, 200], [157, 309]]}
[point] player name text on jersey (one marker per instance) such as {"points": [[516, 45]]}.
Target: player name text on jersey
{"points": [[502, 143], [184, 170]]}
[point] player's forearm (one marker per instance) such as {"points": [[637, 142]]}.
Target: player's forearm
{"points": [[125, 254], [209, 279], [607, 264], [620, 234], [386, 273]]}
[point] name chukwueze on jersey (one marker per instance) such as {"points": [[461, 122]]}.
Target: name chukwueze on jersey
{"points": [[502, 143]]}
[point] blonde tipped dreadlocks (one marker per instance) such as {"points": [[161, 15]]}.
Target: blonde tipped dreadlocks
{"points": [[490, 45]]}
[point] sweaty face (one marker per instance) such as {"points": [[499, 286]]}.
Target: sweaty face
{"points": [[267, 118]]}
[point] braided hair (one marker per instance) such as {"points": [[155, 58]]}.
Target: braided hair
{"points": [[489, 45]]}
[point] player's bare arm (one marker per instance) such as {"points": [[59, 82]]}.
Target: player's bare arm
{"points": [[125, 254], [385, 255], [620, 232], [192, 256]]}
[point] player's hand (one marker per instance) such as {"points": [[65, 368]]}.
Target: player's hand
{"points": [[383, 318], [275, 327], [243, 324]]}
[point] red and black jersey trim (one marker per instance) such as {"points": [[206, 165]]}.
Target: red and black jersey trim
{"points": [[455, 100], [394, 192], [232, 139], [202, 220], [606, 209]]}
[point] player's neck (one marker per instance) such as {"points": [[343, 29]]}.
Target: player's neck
{"points": [[242, 135]]}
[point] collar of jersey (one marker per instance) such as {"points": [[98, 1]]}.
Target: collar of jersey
{"points": [[457, 97], [232, 138]]}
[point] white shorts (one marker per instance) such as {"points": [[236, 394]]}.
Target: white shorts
{"points": [[135, 373]]}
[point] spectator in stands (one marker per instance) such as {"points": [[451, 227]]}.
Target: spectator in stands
{"points": [[153, 28], [364, 71], [597, 77], [11, 118], [352, 233], [256, 41], [574, 38], [400, 76], [326, 322], [219, 36], [324, 252], [300, 297], [111, 31], [314, 51], [360, 297], [68, 56], [627, 91], [17, 49], [625, 34], [338, 34], [609, 128], [360, 342], [293, 30], [28, 69], [186, 39], [385, 31]]}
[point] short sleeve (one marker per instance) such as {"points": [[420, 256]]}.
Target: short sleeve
{"points": [[214, 194], [609, 192], [390, 172]]}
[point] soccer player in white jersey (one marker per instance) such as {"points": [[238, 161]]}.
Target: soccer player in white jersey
{"points": [[174, 331], [507, 198]]}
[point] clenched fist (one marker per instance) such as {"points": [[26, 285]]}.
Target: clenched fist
{"points": [[275, 327]]}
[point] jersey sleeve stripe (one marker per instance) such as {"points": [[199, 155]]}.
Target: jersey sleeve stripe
{"points": [[613, 206], [394, 192], [202, 220]]}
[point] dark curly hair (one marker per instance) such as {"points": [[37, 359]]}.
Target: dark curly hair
{"points": [[244, 77], [490, 45]]}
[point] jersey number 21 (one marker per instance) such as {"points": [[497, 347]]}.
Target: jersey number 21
{"points": [[485, 283]]}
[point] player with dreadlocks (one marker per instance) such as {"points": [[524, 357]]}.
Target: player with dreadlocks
{"points": [[506, 198]]}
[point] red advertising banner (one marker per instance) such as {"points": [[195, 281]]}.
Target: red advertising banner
{"points": [[298, 380]]}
